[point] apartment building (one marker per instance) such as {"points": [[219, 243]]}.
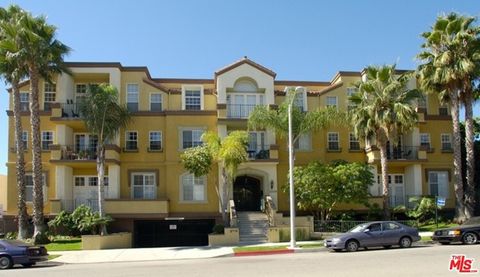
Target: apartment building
{"points": [[149, 192]]}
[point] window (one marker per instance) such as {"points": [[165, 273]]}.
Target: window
{"points": [[132, 97], [438, 183], [90, 181], [446, 141], [332, 101], [390, 226], [191, 138], [425, 140], [24, 101], [50, 95], [332, 139], [80, 92], [155, 102], [354, 143], [443, 110], [300, 100], [303, 143], [192, 100], [29, 186], [47, 140], [87, 144], [25, 139], [79, 181], [155, 140], [193, 188], [422, 102], [350, 92], [143, 186], [131, 139], [375, 227]]}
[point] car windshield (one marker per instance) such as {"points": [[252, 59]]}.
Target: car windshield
{"points": [[358, 228], [16, 243], [472, 221]]}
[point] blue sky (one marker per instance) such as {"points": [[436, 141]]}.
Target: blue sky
{"points": [[299, 40]]}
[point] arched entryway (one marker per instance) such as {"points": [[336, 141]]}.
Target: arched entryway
{"points": [[247, 193]]}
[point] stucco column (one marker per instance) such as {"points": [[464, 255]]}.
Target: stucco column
{"points": [[375, 188], [64, 135], [64, 186], [113, 182]]}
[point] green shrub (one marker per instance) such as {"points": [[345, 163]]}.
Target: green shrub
{"points": [[424, 208], [11, 235], [82, 221], [63, 224], [218, 229], [300, 234]]}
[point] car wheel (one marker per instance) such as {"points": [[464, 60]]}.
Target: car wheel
{"points": [[387, 246], [352, 246], [5, 262], [28, 264], [405, 242], [444, 243], [469, 238]]}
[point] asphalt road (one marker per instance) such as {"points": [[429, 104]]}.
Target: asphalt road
{"points": [[416, 261]]}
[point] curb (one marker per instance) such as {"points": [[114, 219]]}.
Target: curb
{"points": [[267, 252]]}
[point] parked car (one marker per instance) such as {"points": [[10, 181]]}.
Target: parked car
{"points": [[17, 252], [378, 233], [467, 233]]}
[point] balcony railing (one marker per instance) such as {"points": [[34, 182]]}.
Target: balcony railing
{"points": [[71, 109], [260, 152], [240, 110], [403, 153], [70, 152]]}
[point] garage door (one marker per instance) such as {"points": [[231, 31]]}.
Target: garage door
{"points": [[157, 233]]}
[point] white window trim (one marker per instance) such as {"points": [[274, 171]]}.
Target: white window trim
{"points": [[307, 137], [41, 138], [336, 100], [138, 93], [150, 99], [350, 135], [155, 184], [429, 139], [193, 87], [204, 201], [338, 141], [149, 141], [44, 187], [304, 98], [187, 128], [448, 181], [450, 140], [125, 143]]}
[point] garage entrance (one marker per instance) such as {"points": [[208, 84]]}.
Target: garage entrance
{"points": [[169, 233]]}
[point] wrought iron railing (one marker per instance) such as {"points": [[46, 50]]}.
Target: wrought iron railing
{"points": [[70, 152], [71, 109], [403, 153], [259, 152]]}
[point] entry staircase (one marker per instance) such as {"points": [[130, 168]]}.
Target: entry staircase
{"points": [[253, 227]]}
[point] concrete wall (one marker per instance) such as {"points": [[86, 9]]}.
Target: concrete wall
{"points": [[112, 241]]}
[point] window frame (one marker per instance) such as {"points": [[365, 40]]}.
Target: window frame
{"points": [[42, 139], [25, 105], [331, 141], [150, 141], [307, 143], [182, 192], [186, 88], [143, 185], [424, 144], [447, 185], [353, 140], [127, 140], [44, 187], [161, 101], [442, 142], [331, 97], [181, 136], [127, 93]]}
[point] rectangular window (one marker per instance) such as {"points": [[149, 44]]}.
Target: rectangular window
{"points": [[299, 101], [354, 143], [332, 139], [443, 110], [192, 100], [446, 141], [29, 187], [50, 95], [155, 102], [92, 181], [47, 140], [155, 140], [25, 139], [303, 143], [350, 92], [143, 185], [191, 138], [50, 87], [79, 181], [193, 188], [80, 92], [131, 139], [425, 140], [332, 101], [24, 101], [132, 97], [438, 183]]}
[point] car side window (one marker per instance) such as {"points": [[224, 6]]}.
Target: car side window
{"points": [[376, 227], [388, 226]]}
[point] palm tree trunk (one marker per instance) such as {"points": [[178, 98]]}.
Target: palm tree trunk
{"points": [[457, 158], [38, 217], [224, 196], [20, 166], [101, 185], [384, 169], [470, 155]]}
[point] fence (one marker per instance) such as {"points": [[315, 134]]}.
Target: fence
{"points": [[341, 226]]}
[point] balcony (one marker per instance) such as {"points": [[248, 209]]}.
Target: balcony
{"points": [[403, 153], [71, 153], [116, 206], [240, 111], [260, 152], [70, 110]]}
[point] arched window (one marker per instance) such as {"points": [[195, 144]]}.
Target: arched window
{"points": [[245, 85]]}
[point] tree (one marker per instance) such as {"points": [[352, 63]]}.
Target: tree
{"points": [[228, 152], [103, 117], [42, 54], [450, 66], [319, 188], [13, 73], [383, 110]]}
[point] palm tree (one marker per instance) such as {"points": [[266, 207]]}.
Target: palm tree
{"points": [[104, 117], [42, 55], [229, 152], [13, 73], [450, 65], [383, 110]]}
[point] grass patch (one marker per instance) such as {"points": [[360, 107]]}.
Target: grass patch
{"points": [[243, 249], [426, 239], [432, 227], [51, 257], [311, 245], [65, 245]]}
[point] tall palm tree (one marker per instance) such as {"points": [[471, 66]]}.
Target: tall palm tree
{"points": [[450, 64], [383, 110], [228, 152], [104, 117], [42, 54], [13, 73]]}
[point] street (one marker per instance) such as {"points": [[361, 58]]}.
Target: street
{"points": [[419, 260]]}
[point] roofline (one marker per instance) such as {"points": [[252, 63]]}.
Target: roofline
{"points": [[247, 61], [301, 83], [184, 80]]}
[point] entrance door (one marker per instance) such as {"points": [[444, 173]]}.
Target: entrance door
{"points": [[247, 193]]}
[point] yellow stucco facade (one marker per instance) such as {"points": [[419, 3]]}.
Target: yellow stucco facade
{"points": [[145, 177]]}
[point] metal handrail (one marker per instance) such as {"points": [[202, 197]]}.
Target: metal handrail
{"points": [[270, 210], [240, 110]]}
